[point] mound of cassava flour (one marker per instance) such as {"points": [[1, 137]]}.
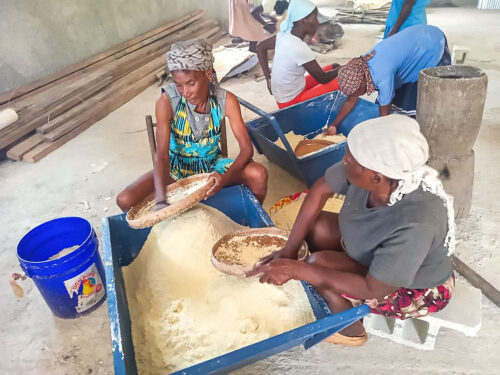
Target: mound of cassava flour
{"points": [[184, 311]]}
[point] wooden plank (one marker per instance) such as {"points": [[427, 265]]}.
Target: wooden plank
{"points": [[6, 97], [17, 152], [105, 61], [77, 115], [116, 69], [30, 120], [205, 31], [45, 148]]}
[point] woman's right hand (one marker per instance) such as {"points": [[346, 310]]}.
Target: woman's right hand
{"points": [[269, 85], [283, 253], [160, 205]]}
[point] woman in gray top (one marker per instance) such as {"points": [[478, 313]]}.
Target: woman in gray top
{"points": [[390, 244]]}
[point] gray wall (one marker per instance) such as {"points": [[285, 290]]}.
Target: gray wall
{"points": [[39, 37]]}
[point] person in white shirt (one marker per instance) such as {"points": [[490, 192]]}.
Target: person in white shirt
{"points": [[293, 58]]}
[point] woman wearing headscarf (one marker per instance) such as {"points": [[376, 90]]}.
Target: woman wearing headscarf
{"points": [[390, 244], [293, 58], [188, 114], [392, 68]]}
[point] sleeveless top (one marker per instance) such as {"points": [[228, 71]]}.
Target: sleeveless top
{"points": [[195, 138]]}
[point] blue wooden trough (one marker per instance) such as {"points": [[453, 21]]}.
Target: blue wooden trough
{"points": [[122, 244], [307, 118]]}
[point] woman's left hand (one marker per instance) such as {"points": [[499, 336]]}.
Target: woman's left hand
{"points": [[331, 130], [277, 272], [219, 183]]}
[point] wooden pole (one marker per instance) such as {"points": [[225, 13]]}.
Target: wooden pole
{"points": [[476, 280]]}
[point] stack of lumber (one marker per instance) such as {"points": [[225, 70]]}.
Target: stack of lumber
{"points": [[58, 107], [360, 14]]}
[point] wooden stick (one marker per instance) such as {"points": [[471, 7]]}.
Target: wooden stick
{"points": [[6, 97], [476, 280]]}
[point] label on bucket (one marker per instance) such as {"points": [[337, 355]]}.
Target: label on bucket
{"points": [[87, 286]]}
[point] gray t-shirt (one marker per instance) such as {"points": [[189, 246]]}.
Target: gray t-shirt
{"points": [[403, 244], [199, 122]]}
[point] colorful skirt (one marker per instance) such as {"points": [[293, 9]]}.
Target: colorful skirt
{"points": [[410, 303]]}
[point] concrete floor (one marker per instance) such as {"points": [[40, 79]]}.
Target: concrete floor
{"points": [[94, 167]]}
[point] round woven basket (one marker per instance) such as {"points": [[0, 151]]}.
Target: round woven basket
{"points": [[241, 270], [142, 214]]}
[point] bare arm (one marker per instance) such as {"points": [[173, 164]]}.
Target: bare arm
{"points": [[364, 287], [240, 132], [162, 160], [346, 108], [256, 13], [403, 15], [385, 110], [315, 70], [311, 207], [262, 48]]}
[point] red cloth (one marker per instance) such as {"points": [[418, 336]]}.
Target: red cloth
{"points": [[312, 89]]}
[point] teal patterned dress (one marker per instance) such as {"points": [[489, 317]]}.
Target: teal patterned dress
{"points": [[190, 155]]}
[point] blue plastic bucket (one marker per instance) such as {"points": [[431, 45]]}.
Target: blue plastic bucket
{"points": [[72, 284]]}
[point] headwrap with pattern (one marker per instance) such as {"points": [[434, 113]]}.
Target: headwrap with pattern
{"points": [[190, 55], [355, 74]]}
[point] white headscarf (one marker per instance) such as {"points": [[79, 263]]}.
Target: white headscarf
{"points": [[297, 10], [394, 146]]}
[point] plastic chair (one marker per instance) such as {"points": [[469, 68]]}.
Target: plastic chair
{"points": [[150, 125]]}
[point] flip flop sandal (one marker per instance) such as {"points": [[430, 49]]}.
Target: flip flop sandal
{"points": [[340, 339]]}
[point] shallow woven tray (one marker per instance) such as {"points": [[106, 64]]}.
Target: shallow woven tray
{"points": [[142, 214], [241, 270], [307, 146]]}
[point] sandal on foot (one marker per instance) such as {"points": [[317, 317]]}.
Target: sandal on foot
{"points": [[340, 339]]}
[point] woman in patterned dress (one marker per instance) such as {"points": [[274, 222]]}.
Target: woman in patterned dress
{"points": [[188, 115]]}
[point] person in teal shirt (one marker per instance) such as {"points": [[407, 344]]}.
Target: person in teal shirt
{"points": [[405, 13]]}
